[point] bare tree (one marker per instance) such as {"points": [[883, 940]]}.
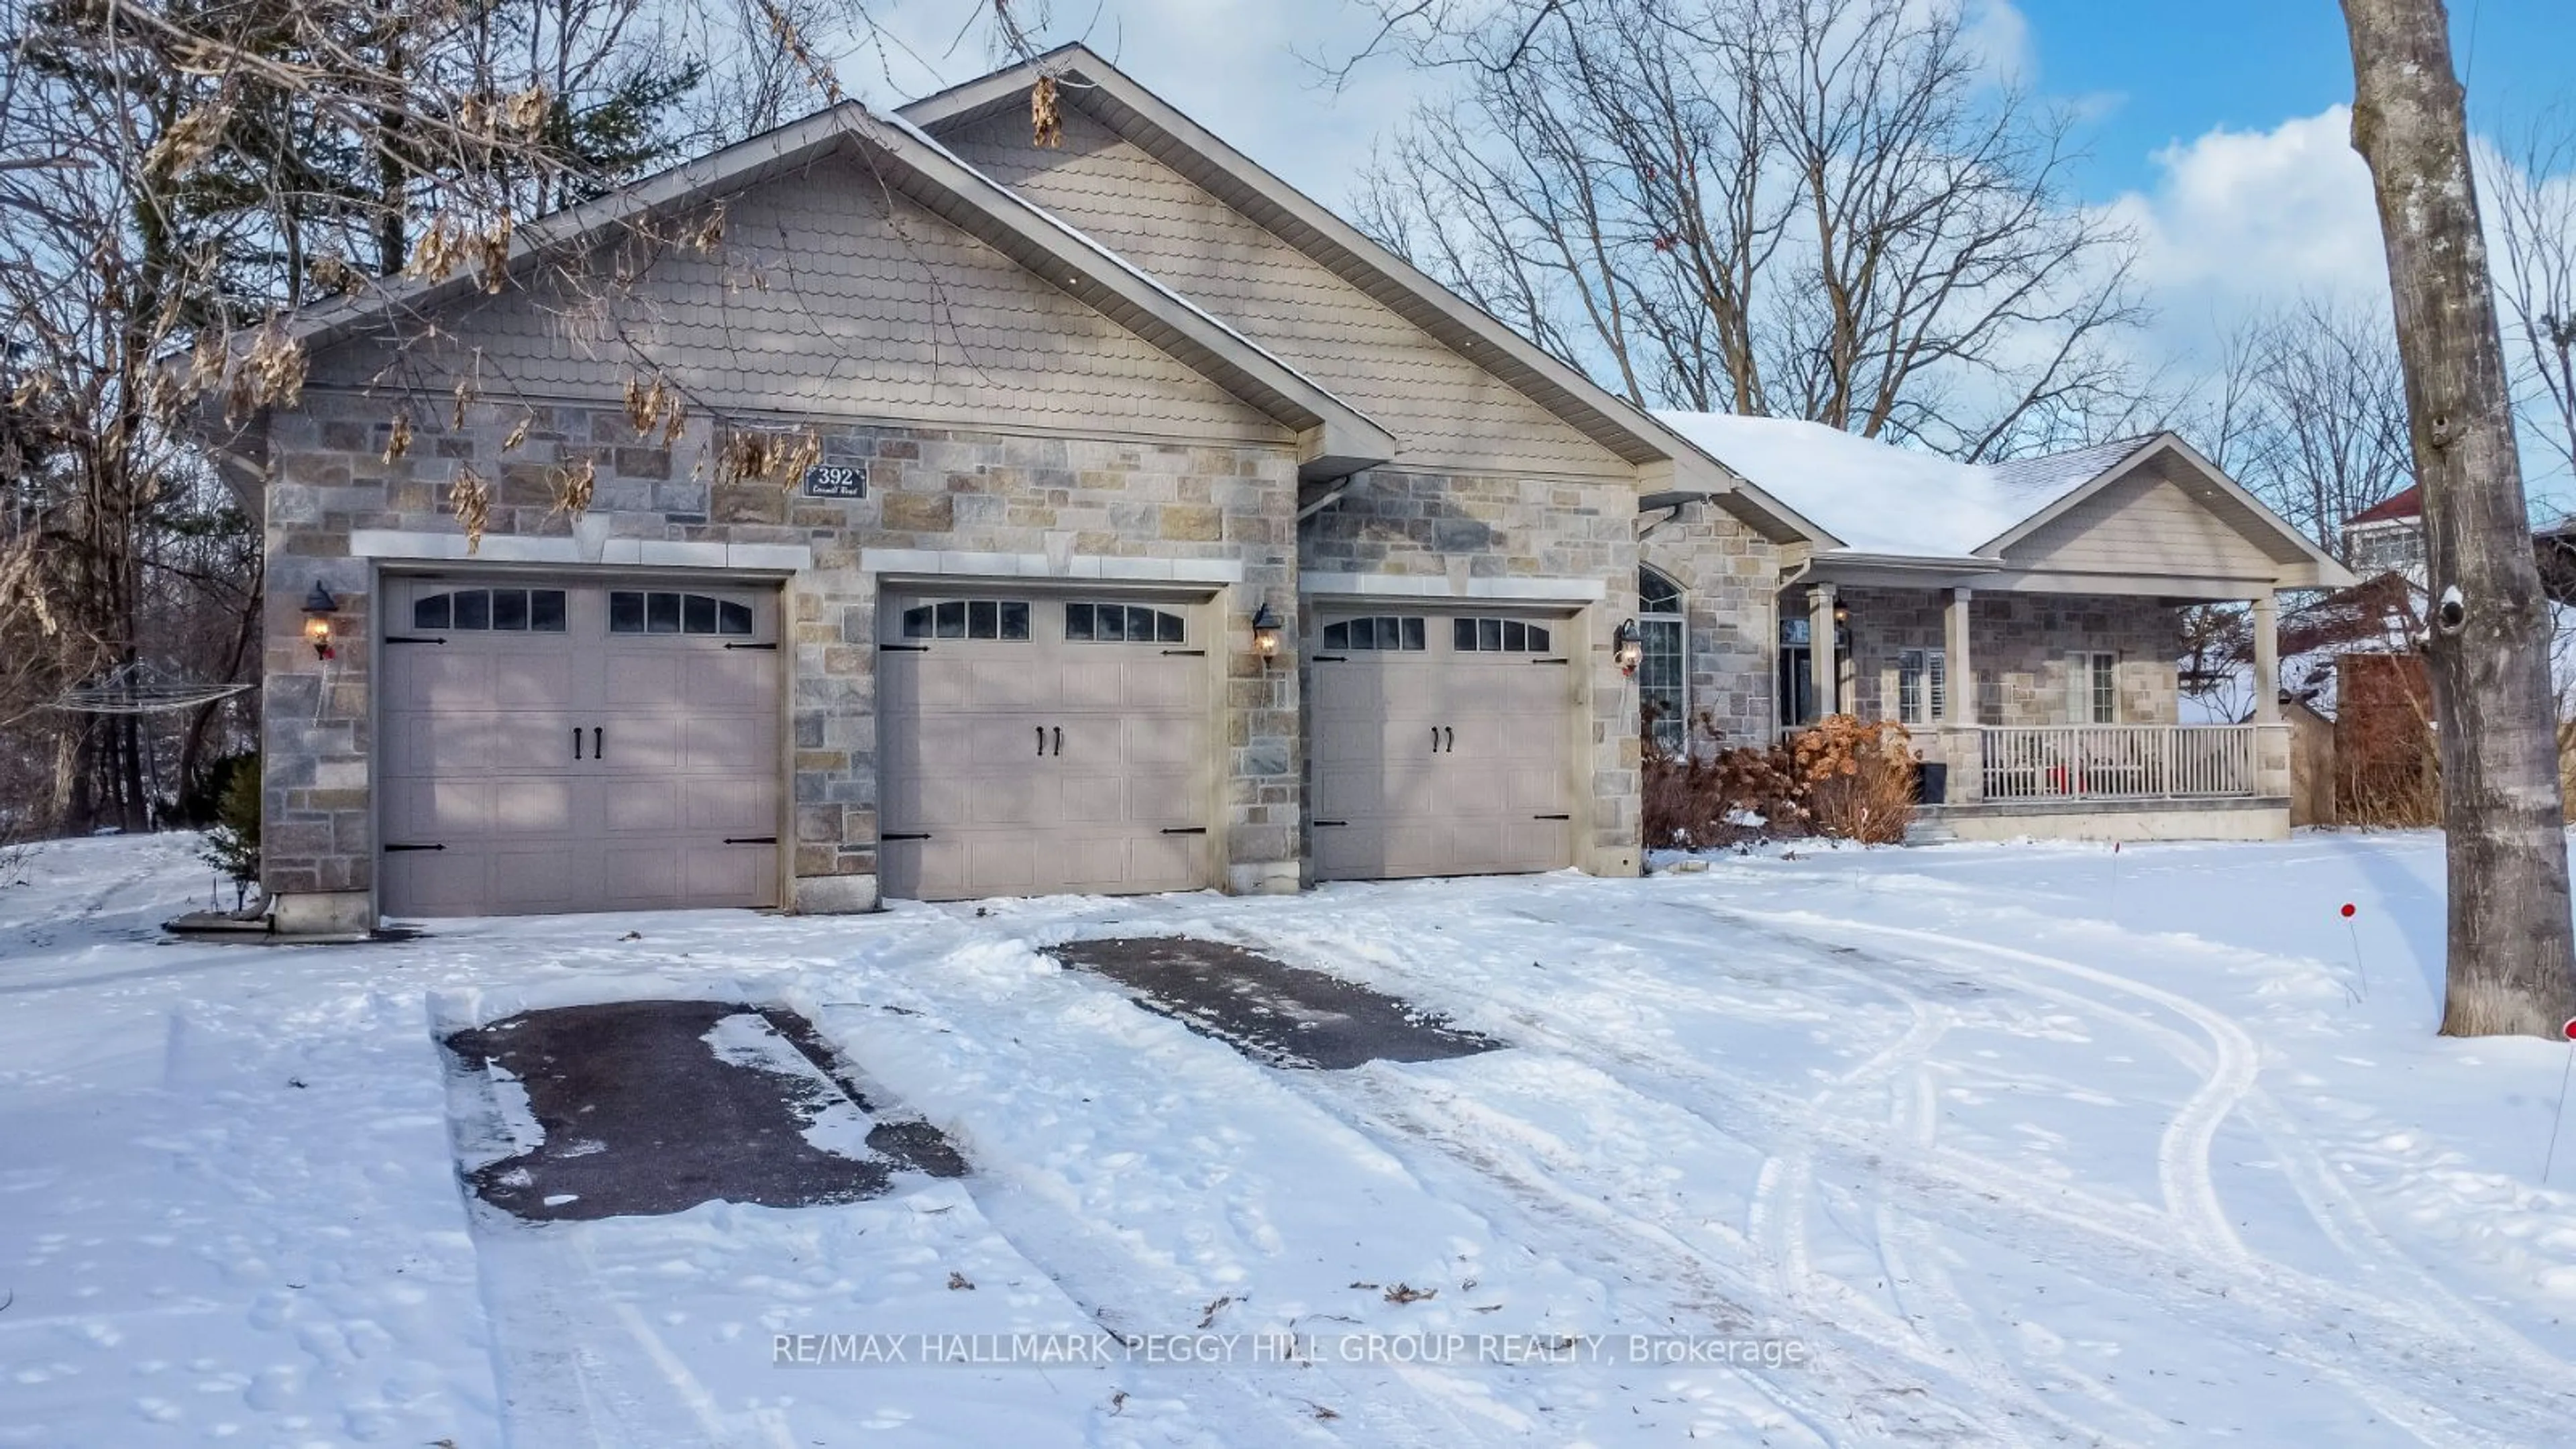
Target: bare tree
{"points": [[2535, 199], [2512, 950], [1825, 209]]}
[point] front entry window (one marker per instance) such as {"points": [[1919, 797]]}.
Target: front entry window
{"points": [[1663, 678]]}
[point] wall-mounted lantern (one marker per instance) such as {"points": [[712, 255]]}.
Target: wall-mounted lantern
{"points": [[1627, 650], [319, 606], [1265, 634]]}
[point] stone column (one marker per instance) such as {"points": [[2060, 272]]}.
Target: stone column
{"points": [[1961, 744], [2267, 659], [1823, 671], [1961, 707]]}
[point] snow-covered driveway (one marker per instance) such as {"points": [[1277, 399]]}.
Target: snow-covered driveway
{"points": [[1995, 1144]]}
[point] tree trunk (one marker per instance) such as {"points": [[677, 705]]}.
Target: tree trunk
{"points": [[2512, 963]]}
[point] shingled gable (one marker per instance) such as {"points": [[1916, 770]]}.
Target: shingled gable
{"points": [[1334, 438], [2303, 563], [1668, 466]]}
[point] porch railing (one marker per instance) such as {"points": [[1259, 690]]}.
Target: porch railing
{"points": [[2117, 762]]}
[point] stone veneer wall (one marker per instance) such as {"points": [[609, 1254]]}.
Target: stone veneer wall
{"points": [[2019, 645], [943, 489], [1464, 527], [1729, 576]]}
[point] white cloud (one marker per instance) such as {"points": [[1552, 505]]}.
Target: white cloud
{"points": [[2240, 219]]}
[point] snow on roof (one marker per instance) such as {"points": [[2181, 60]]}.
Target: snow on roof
{"points": [[1882, 499]]}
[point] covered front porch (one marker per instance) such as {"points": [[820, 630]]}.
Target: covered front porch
{"points": [[2039, 712]]}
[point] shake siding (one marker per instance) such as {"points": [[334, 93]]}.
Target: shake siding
{"points": [[819, 301], [1446, 412], [2147, 524]]}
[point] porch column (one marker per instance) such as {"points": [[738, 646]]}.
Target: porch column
{"points": [[1961, 707], [2267, 659], [1823, 672]]}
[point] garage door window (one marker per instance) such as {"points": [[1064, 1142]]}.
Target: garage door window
{"points": [[1003, 619], [636, 611], [1497, 636], [538, 611], [1389, 632], [1121, 624]]}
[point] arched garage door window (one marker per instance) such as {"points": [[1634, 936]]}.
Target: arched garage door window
{"points": [[1663, 682]]}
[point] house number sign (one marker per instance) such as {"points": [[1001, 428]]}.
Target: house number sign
{"points": [[836, 480]]}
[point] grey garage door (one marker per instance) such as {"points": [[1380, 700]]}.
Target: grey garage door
{"points": [[1035, 744], [573, 747], [1442, 743]]}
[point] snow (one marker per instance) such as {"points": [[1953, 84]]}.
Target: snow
{"points": [[1958, 1145], [1882, 499]]}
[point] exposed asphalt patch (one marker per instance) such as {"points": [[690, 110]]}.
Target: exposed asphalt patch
{"points": [[653, 1107], [1269, 1010]]}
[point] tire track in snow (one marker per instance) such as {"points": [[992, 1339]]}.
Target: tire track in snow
{"points": [[1969, 1191], [2183, 1171], [2423, 1416]]}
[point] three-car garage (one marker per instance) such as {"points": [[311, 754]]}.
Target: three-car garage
{"points": [[552, 743]]}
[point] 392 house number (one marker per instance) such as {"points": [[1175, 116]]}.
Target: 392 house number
{"points": [[836, 480]]}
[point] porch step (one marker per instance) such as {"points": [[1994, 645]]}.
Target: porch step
{"points": [[1929, 827]]}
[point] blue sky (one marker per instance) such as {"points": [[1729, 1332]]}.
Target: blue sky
{"points": [[2152, 75]]}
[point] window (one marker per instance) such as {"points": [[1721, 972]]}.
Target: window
{"points": [[1404, 632], [1497, 636], [1121, 624], [1922, 686], [1003, 619], [522, 611], [640, 611], [1663, 679], [2101, 685]]}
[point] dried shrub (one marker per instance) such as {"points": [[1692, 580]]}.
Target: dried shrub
{"points": [[1716, 796], [2388, 767], [470, 495], [776, 457], [1858, 778]]}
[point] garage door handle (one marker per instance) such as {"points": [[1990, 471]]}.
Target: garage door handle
{"points": [[1193, 653], [1041, 729], [905, 835], [1551, 661], [576, 742], [751, 646], [1186, 830], [903, 649], [1059, 741], [1551, 817], [412, 639], [1332, 822], [751, 840], [390, 849], [1452, 746], [1331, 658], [598, 743], [1435, 739]]}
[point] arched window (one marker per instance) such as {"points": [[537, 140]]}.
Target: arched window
{"points": [[1663, 674]]}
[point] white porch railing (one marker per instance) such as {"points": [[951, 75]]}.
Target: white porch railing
{"points": [[2117, 762]]}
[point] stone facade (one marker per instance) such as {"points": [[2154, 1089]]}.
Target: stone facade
{"points": [[1479, 533], [2019, 647], [1728, 575], [929, 489]]}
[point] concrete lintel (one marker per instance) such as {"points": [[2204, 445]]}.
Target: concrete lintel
{"points": [[1440, 586], [424, 546], [927, 562]]}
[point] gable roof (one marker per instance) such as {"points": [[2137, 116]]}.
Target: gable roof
{"points": [[2407, 503], [1335, 439], [2305, 563], [1902, 506], [1667, 460]]}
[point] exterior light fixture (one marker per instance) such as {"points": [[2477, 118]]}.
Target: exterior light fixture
{"points": [[319, 606], [1842, 613], [1626, 649], [1265, 634]]}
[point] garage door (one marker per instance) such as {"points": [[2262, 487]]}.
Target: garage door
{"points": [[1035, 744], [572, 747], [1442, 744]]}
